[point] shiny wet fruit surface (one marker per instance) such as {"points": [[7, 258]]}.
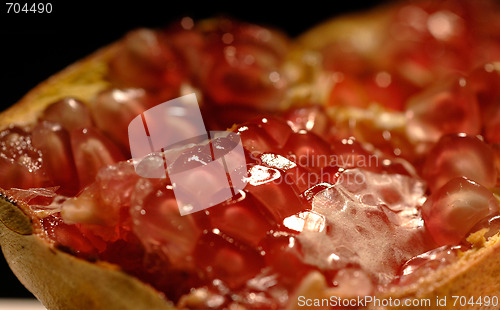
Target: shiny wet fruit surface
{"points": [[376, 185]]}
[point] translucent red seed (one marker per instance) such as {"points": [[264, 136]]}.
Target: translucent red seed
{"points": [[451, 212], [21, 163], [457, 155], [70, 113], [54, 143], [449, 106], [92, 151]]}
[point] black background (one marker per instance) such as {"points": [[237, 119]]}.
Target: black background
{"points": [[35, 46]]}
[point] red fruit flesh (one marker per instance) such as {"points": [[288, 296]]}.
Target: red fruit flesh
{"points": [[20, 162], [53, 142], [92, 151], [460, 155], [452, 211], [342, 195], [148, 62], [449, 107], [70, 113], [114, 109]]}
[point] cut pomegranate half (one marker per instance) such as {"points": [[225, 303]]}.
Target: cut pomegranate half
{"points": [[366, 175]]}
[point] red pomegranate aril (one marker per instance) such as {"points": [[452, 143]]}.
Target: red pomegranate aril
{"points": [[275, 127], [190, 159], [457, 155], [68, 236], [255, 139], [308, 150], [54, 143], [389, 90], [241, 220], [147, 61], [114, 109], [92, 151], [422, 264], [105, 201], [283, 253], [447, 107], [352, 282], [188, 42], [485, 82], [313, 118], [270, 39], [450, 212], [244, 74], [21, 164], [225, 259], [269, 187], [159, 225], [71, 113], [293, 173]]}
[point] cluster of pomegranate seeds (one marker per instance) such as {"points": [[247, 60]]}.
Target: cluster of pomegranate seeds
{"points": [[378, 185]]}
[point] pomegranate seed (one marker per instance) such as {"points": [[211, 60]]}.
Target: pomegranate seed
{"points": [[293, 174], [188, 42], [275, 127], [283, 253], [308, 150], [71, 113], [269, 187], [21, 164], [311, 118], [226, 260], [114, 109], [460, 155], [422, 264], [484, 82], [352, 282], [244, 74], [91, 151], [447, 107], [53, 141], [451, 212], [255, 139], [104, 201], [147, 61], [159, 224], [389, 90], [230, 217], [72, 238]]}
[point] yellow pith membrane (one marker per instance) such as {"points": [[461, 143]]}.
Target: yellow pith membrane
{"points": [[372, 147]]}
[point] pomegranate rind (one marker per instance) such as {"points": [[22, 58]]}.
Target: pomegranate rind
{"points": [[475, 274], [62, 281]]}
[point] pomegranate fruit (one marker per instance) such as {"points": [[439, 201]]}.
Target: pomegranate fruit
{"points": [[366, 173]]}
